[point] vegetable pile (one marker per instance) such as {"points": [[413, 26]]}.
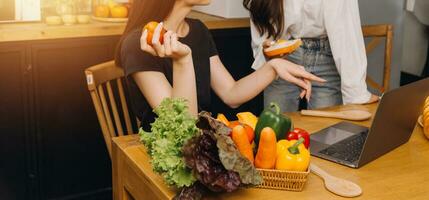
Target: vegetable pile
{"points": [[195, 159], [173, 127], [274, 143], [220, 156]]}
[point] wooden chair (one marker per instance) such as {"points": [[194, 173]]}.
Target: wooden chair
{"points": [[101, 78], [378, 33]]}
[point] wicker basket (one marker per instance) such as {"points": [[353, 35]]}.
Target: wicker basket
{"points": [[283, 180]]}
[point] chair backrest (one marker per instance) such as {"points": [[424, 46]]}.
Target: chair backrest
{"points": [[378, 33], [101, 78]]}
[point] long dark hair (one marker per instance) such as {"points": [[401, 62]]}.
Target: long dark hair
{"points": [[267, 15], [141, 13]]}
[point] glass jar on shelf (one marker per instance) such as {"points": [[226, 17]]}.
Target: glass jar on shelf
{"points": [[83, 7], [65, 7], [67, 10]]}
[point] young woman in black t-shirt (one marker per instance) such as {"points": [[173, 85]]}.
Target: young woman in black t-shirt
{"points": [[187, 65]]}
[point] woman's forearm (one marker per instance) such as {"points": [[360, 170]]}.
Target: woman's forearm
{"points": [[248, 87], [184, 84], [234, 93]]}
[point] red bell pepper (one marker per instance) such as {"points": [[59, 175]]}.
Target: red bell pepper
{"points": [[297, 133]]}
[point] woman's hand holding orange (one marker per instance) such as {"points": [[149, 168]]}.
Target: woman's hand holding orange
{"points": [[170, 48]]}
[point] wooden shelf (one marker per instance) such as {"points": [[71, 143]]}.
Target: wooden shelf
{"points": [[41, 31]]}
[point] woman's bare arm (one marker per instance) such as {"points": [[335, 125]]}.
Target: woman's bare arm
{"points": [[234, 93], [154, 85]]}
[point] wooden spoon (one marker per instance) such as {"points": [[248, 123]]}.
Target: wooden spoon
{"points": [[355, 115], [337, 185]]}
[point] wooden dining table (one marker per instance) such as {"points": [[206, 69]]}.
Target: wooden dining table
{"points": [[400, 174]]}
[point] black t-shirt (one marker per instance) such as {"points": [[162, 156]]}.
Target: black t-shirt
{"points": [[133, 59]]}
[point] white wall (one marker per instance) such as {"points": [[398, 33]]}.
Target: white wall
{"points": [[383, 12], [415, 45], [27, 10], [416, 36]]}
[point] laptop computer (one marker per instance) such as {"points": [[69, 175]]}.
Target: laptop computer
{"points": [[354, 145]]}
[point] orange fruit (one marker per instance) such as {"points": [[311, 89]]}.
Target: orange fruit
{"points": [[119, 11], [150, 27], [102, 11]]}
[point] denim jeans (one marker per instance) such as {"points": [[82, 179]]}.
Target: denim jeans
{"points": [[316, 57]]}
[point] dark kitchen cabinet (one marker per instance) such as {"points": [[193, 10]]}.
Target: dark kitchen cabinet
{"points": [[71, 149], [51, 146], [16, 167]]}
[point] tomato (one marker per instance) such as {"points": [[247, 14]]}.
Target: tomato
{"points": [[296, 133], [249, 130], [150, 27]]}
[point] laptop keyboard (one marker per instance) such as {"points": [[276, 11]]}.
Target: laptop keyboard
{"points": [[348, 149]]}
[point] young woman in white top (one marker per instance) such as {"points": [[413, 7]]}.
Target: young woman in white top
{"points": [[333, 49]]}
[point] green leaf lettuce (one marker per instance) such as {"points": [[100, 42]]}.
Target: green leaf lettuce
{"points": [[171, 129]]}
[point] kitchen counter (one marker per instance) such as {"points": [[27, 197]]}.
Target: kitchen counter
{"points": [[41, 31]]}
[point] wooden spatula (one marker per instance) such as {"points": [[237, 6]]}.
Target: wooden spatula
{"points": [[354, 115], [336, 185]]}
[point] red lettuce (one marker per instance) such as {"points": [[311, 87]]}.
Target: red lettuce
{"points": [[215, 161]]}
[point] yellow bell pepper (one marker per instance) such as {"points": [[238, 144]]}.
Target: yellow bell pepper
{"points": [[292, 155], [247, 118], [221, 117]]}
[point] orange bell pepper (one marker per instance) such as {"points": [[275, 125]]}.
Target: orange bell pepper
{"points": [[221, 117]]}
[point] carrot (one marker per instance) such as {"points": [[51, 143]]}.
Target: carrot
{"points": [[249, 130], [239, 136], [267, 150]]}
